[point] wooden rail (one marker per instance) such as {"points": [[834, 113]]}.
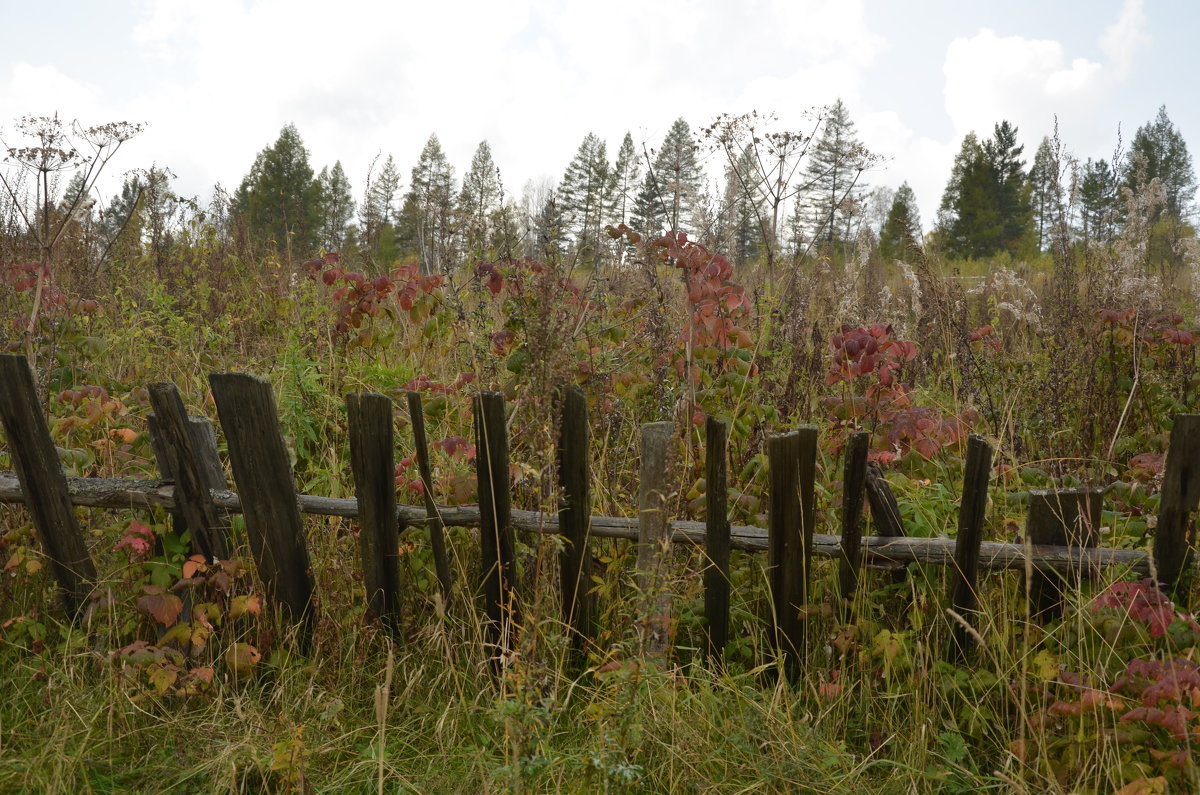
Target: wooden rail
{"points": [[194, 490]]}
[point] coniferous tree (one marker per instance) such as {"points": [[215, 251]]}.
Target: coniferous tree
{"points": [[1098, 204], [337, 206], [672, 185], [379, 205], [279, 199], [986, 206], [1047, 196], [480, 200], [900, 235], [1158, 151], [626, 179], [584, 195], [834, 171], [429, 209], [742, 215]]}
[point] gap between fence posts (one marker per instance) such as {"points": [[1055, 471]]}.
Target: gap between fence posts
{"points": [[574, 521], [1061, 518], [495, 526], [44, 483], [854, 477], [183, 446], [716, 536], [263, 474], [653, 537], [964, 599], [1176, 529], [437, 532], [373, 462]]}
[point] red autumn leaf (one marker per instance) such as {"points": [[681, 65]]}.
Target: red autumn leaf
{"points": [[163, 607]]}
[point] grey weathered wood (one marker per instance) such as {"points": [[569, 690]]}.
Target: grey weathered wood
{"points": [[495, 526], [885, 511], [575, 559], [653, 537], [1176, 530], [964, 596], [1062, 518], [181, 462], [878, 551], [263, 474], [437, 533], [787, 566], [716, 536], [373, 461], [853, 485], [43, 483]]}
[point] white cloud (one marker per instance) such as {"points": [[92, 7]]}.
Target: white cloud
{"points": [[1125, 37]]}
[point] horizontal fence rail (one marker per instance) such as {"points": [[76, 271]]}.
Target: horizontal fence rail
{"points": [[876, 550]]}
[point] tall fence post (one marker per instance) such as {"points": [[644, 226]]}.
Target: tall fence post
{"points": [[854, 479], [716, 536], [263, 474], [1062, 518], [964, 599], [653, 536], [574, 519], [373, 461], [43, 483], [495, 526], [1176, 528], [792, 471], [181, 449]]}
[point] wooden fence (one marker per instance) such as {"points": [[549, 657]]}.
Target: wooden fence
{"points": [[1060, 539]]}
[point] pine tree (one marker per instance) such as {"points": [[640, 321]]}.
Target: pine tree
{"points": [[900, 234], [834, 172], [584, 195], [672, 186], [279, 199], [1047, 195], [742, 209], [481, 198], [986, 207], [1098, 205], [379, 204], [1158, 151], [429, 209], [337, 206]]}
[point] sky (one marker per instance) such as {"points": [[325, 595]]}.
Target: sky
{"points": [[216, 80]]}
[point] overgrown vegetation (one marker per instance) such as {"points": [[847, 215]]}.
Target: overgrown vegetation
{"points": [[180, 676]]}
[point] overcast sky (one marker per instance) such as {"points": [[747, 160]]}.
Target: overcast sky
{"points": [[216, 80]]}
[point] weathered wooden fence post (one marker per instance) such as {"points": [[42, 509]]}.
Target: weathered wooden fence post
{"points": [[1176, 528], [885, 512], [653, 537], [716, 536], [437, 533], [854, 479], [44, 485], [964, 599], [574, 520], [1062, 518], [495, 526], [183, 447], [792, 465], [263, 474], [373, 461]]}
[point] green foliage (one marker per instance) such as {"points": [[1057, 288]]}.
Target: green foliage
{"points": [[280, 199]]}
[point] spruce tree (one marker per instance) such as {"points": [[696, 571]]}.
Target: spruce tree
{"points": [[280, 199], [429, 209], [671, 188], [900, 235], [1098, 205], [986, 207], [337, 206], [834, 171], [1046, 192], [479, 201], [1158, 151], [584, 195]]}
